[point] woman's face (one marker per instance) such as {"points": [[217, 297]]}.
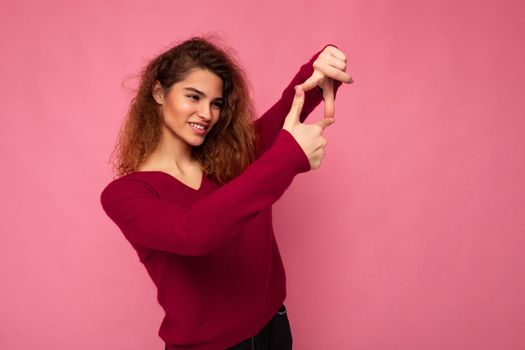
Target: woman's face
{"points": [[192, 106]]}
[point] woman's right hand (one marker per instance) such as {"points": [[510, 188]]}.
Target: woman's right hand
{"points": [[308, 136]]}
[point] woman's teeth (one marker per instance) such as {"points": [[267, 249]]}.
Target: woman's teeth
{"points": [[197, 126]]}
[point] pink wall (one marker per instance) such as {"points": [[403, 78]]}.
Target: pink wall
{"points": [[410, 235]]}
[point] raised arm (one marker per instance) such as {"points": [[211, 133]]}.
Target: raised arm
{"points": [[150, 222], [268, 125]]}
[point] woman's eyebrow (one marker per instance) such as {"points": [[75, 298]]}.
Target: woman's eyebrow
{"points": [[199, 92]]}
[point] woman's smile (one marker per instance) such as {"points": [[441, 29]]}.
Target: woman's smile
{"points": [[198, 129]]}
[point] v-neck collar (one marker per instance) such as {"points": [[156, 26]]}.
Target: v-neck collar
{"points": [[201, 185]]}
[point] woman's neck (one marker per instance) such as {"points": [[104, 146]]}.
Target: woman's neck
{"points": [[172, 154]]}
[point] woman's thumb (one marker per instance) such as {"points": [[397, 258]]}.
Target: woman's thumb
{"points": [[325, 122]]}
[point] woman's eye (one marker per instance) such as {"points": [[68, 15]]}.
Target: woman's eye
{"points": [[216, 104]]}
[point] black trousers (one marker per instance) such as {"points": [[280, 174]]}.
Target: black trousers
{"points": [[276, 335]]}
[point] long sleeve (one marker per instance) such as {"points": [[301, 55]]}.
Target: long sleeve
{"points": [[150, 222], [268, 125]]}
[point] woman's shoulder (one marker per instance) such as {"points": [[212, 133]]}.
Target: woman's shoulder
{"points": [[130, 183]]}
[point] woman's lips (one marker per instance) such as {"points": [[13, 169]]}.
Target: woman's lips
{"points": [[196, 130]]}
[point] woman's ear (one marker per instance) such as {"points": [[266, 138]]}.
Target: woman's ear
{"points": [[158, 93]]}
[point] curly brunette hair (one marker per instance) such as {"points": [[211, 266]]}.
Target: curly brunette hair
{"points": [[230, 145]]}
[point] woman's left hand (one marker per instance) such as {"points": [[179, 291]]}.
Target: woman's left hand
{"points": [[329, 65]]}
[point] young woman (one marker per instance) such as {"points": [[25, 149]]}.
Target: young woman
{"points": [[196, 180]]}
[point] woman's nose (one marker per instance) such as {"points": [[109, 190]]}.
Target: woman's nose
{"points": [[204, 112]]}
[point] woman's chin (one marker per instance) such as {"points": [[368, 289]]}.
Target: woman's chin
{"points": [[195, 140]]}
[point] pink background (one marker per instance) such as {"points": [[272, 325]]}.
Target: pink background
{"points": [[409, 236]]}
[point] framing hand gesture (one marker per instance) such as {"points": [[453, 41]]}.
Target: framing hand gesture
{"points": [[308, 136], [329, 65]]}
